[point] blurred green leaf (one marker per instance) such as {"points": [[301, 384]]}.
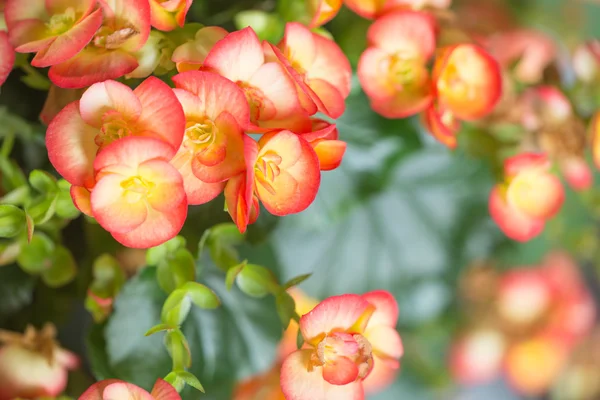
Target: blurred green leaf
{"points": [[296, 281], [42, 181], [268, 26], [201, 295], [12, 221], [256, 281], [36, 256], [175, 270], [286, 307], [62, 270]]}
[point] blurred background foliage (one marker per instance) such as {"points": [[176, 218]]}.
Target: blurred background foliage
{"points": [[402, 213]]}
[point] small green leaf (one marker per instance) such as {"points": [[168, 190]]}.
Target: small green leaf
{"points": [[12, 221], [299, 339], [190, 379], [62, 270], [42, 208], [156, 254], [65, 207], [175, 381], [12, 176], [18, 196], [179, 349], [30, 227], [201, 295], [232, 273], [159, 328], [9, 251], [176, 269], [256, 281], [221, 243], [296, 281], [286, 307], [176, 308], [108, 272], [42, 181], [37, 256]]}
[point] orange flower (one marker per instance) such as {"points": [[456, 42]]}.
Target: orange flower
{"points": [[116, 389], [191, 55], [169, 14], [373, 9]]}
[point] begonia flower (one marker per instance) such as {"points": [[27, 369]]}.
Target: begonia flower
{"points": [[477, 357], [282, 171], [270, 91], [169, 14], [55, 30], [393, 70], [33, 365], [111, 53], [57, 99], [319, 68], [139, 196], [191, 55], [117, 389], [322, 11], [344, 337], [212, 151], [373, 9], [107, 112], [529, 196]]}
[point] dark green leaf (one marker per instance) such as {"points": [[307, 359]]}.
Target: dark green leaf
{"points": [[201, 295], [286, 307], [232, 274], [62, 270], [37, 256], [175, 270], [12, 221], [296, 281]]}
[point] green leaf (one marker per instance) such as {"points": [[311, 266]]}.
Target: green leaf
{"points": [[296, 281], [178, 348], [62, 270], [190, 379], [286, 307], [256, 281], [42, 208], [12, 176], [227, 344], [201, 295], [175, 381], [175, 270], [43, 182], [9, 251], [232, 274], [12, 221], [65, 207], [18, 196], [159, 328], [221, 242], [176, 308], [37, 256]]}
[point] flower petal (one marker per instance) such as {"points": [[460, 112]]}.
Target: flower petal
{"points": [[193, 53], [197, 192], [340, 371], [162, 390], [107, 96], [125, 391], [132, 151], [56, 100], [133, 14], [69, 43], [323, 11], [91, 66], [95, 391], [332, 100], [538, 194], [162, 116], [81, 199], [71, 146], [365, 8], [330, 153], [298, 383], [18, 10], [477, 358], [386, 308], [337, 313], [237, 56], [444, 132], [385, 340], [331, 65], [7, 55], [206, 86], [411, 33], [381, 376]]}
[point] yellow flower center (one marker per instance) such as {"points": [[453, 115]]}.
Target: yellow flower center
{"points": [[114, 127], [267, 170], [199, 135], [255, 98], [61, 23], [405, 72], [136, 188]]}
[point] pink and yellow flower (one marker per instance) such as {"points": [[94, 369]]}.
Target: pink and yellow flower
{"points": [[139, 196], [107, 112], [529, 196], [33, 365], [117, 389], [282, 171], [111, 53], [7, 55], [319, 68], [586, 61], [212, 151], [373, 9], [55, 30], [322, 11], [190, 56], [393, 70], [169, 14], [270, 92], [345, 337]]}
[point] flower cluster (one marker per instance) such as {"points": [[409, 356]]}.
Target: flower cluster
{"points": [[528, 197], [378, 331], [138, 158], [464, 83], [525, 322]]}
